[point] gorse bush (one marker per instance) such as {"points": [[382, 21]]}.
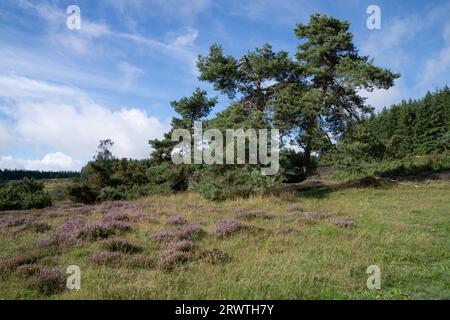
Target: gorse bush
{"points": [[24, 195]]}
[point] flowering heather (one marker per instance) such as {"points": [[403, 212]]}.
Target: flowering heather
{"points": [[14, 221], [214, 256], [176, 220], [228, 227], [39, 227], [190, 232], [48, 281], [81, 210], [344, 222], [184, 246], [122, 205], [169, 260], [247, 215], [104, 257], [121, 245], [295, 207], [163, 236], [65, 235], [116, 215], [10, 264], [102, 230]]}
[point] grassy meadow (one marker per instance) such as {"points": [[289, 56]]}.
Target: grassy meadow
{"points": [[303, 243]]}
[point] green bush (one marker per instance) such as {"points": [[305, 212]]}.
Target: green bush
{"points": [[83, 192], [24, 195], [223, 182]]}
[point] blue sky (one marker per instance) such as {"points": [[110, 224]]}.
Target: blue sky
{"points": [[63, 90]]}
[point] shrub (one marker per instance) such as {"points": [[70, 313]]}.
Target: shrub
{"points": [[228, 227], [116, 215], [102, 230], [66, 235], [83, 192], [10, 264], [169, 260], [176, 220], [48, 281], [184, 246], [190, 232], [24, 195], [164, 236]]}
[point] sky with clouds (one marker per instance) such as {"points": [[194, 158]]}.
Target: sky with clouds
{"points": [[62, 90]]}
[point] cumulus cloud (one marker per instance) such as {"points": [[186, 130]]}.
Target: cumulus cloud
{"points": [[56, 161], [71, 123], [380, 98]]}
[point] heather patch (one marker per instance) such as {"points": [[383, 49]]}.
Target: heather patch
{"points": [[169, 260], [176, 220], [184, 246], [14, 221], [10, 264], [103, 230], [214, 256], [162, 236], [65, 235], [104, 257], [344, 222], [81, 210], [190, 232], [48, 281], [116, 215], [121, 245], [228, 227]]}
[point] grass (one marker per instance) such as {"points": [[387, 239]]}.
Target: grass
{"points": [[402, 228]]}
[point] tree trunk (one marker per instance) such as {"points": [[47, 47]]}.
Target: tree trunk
{"points": [[307, 165]]}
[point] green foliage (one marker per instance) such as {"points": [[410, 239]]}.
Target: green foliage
{"points": [[24, 195], [218, 182], [406, 139], [83, 192]]}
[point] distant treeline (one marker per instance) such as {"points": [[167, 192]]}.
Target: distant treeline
{"points": [[19, 174], [411, 136]]}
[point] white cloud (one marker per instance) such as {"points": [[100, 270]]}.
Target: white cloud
{"points": [[438, 66], [68, 121], [130, 74], [181, 9], [380, 98], [57, 161], [386, 45]]}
